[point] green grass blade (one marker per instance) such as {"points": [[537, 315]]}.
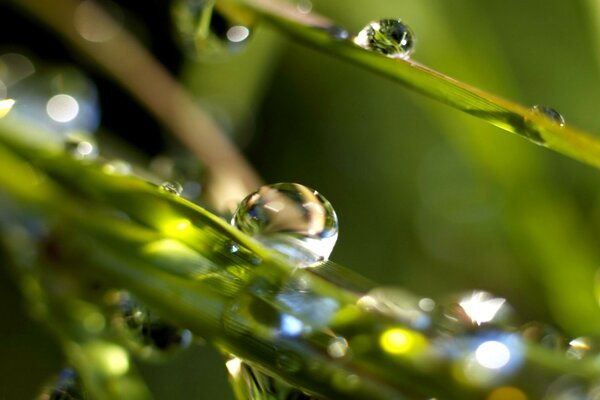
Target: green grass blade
{"points": [[316, 31]]}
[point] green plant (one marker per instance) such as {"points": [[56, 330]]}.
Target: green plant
{"points": [[232, 303]]}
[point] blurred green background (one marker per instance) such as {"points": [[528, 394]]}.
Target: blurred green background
{"points": [[428, 199]]}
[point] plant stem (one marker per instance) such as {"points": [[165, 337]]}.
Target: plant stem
{"points": [[133, 67], [319, 32]]}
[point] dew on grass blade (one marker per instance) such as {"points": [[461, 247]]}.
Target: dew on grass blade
{"points": [[391, 37], [580, 347], [81, 145], [172, 187], [549, 112], [290, 218]]}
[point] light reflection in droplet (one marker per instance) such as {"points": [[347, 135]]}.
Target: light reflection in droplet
{"points": [[234, 366], [492, 354], [290, 325], [578, 348], [237, 33], [62, 108], [93, 24], [481, 307], [338, 347], [5, 106]]}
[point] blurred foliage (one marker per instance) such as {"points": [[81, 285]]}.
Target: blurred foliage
{"points": [[428, 198]]}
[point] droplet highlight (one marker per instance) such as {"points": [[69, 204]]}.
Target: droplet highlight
{"points": [[81, 145], [391, 37], [290, 218]]}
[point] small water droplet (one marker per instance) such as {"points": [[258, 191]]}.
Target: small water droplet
{"points": [[337, 32], [172, 187], [549, 112], [292, 219], [544, 335], [117, 167], [203, 32], [143, 332], [81, 145], [391, 37], [579, 348]]}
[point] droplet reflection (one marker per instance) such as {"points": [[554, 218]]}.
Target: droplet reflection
{"points": [[391, 37]]}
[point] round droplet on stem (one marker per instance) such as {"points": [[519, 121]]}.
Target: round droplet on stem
{"points": [[549, 112], [172, 187], [391, 37], [290, 218], [81, 145]]}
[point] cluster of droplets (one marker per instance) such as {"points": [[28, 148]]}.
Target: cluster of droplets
{"points": [[145, 334], [290, 218]]}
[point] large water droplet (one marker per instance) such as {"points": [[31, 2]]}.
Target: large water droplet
{"points": [[143, 332], [204, 33], [391, 37], [292, 219], [172, 187], [549, 112]]}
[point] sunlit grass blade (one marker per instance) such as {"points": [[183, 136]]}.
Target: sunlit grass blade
{"points": [[523, 121]]}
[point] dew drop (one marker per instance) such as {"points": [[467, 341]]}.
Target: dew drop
{"points": [[391, 37], [81, 146], [476, 310], [579, 348], [544, 335], [549, 112], [146, 334], [337, 347], [337, 32], [290, 218], [117, 167], [204, 33], [172, 187]]}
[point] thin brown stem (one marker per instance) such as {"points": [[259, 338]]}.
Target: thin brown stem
{"points": [[137, 71]]}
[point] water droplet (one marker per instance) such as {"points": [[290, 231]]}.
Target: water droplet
{"points": [[543, 335], [143, 332], [549, 112], [579, 348], [292, 219], [81, 145], [66, 386], [336, 32], [117, 167], [476, 310], [337, 347], [397, 304], [391, 37], [172, 187], [203, 33]]}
